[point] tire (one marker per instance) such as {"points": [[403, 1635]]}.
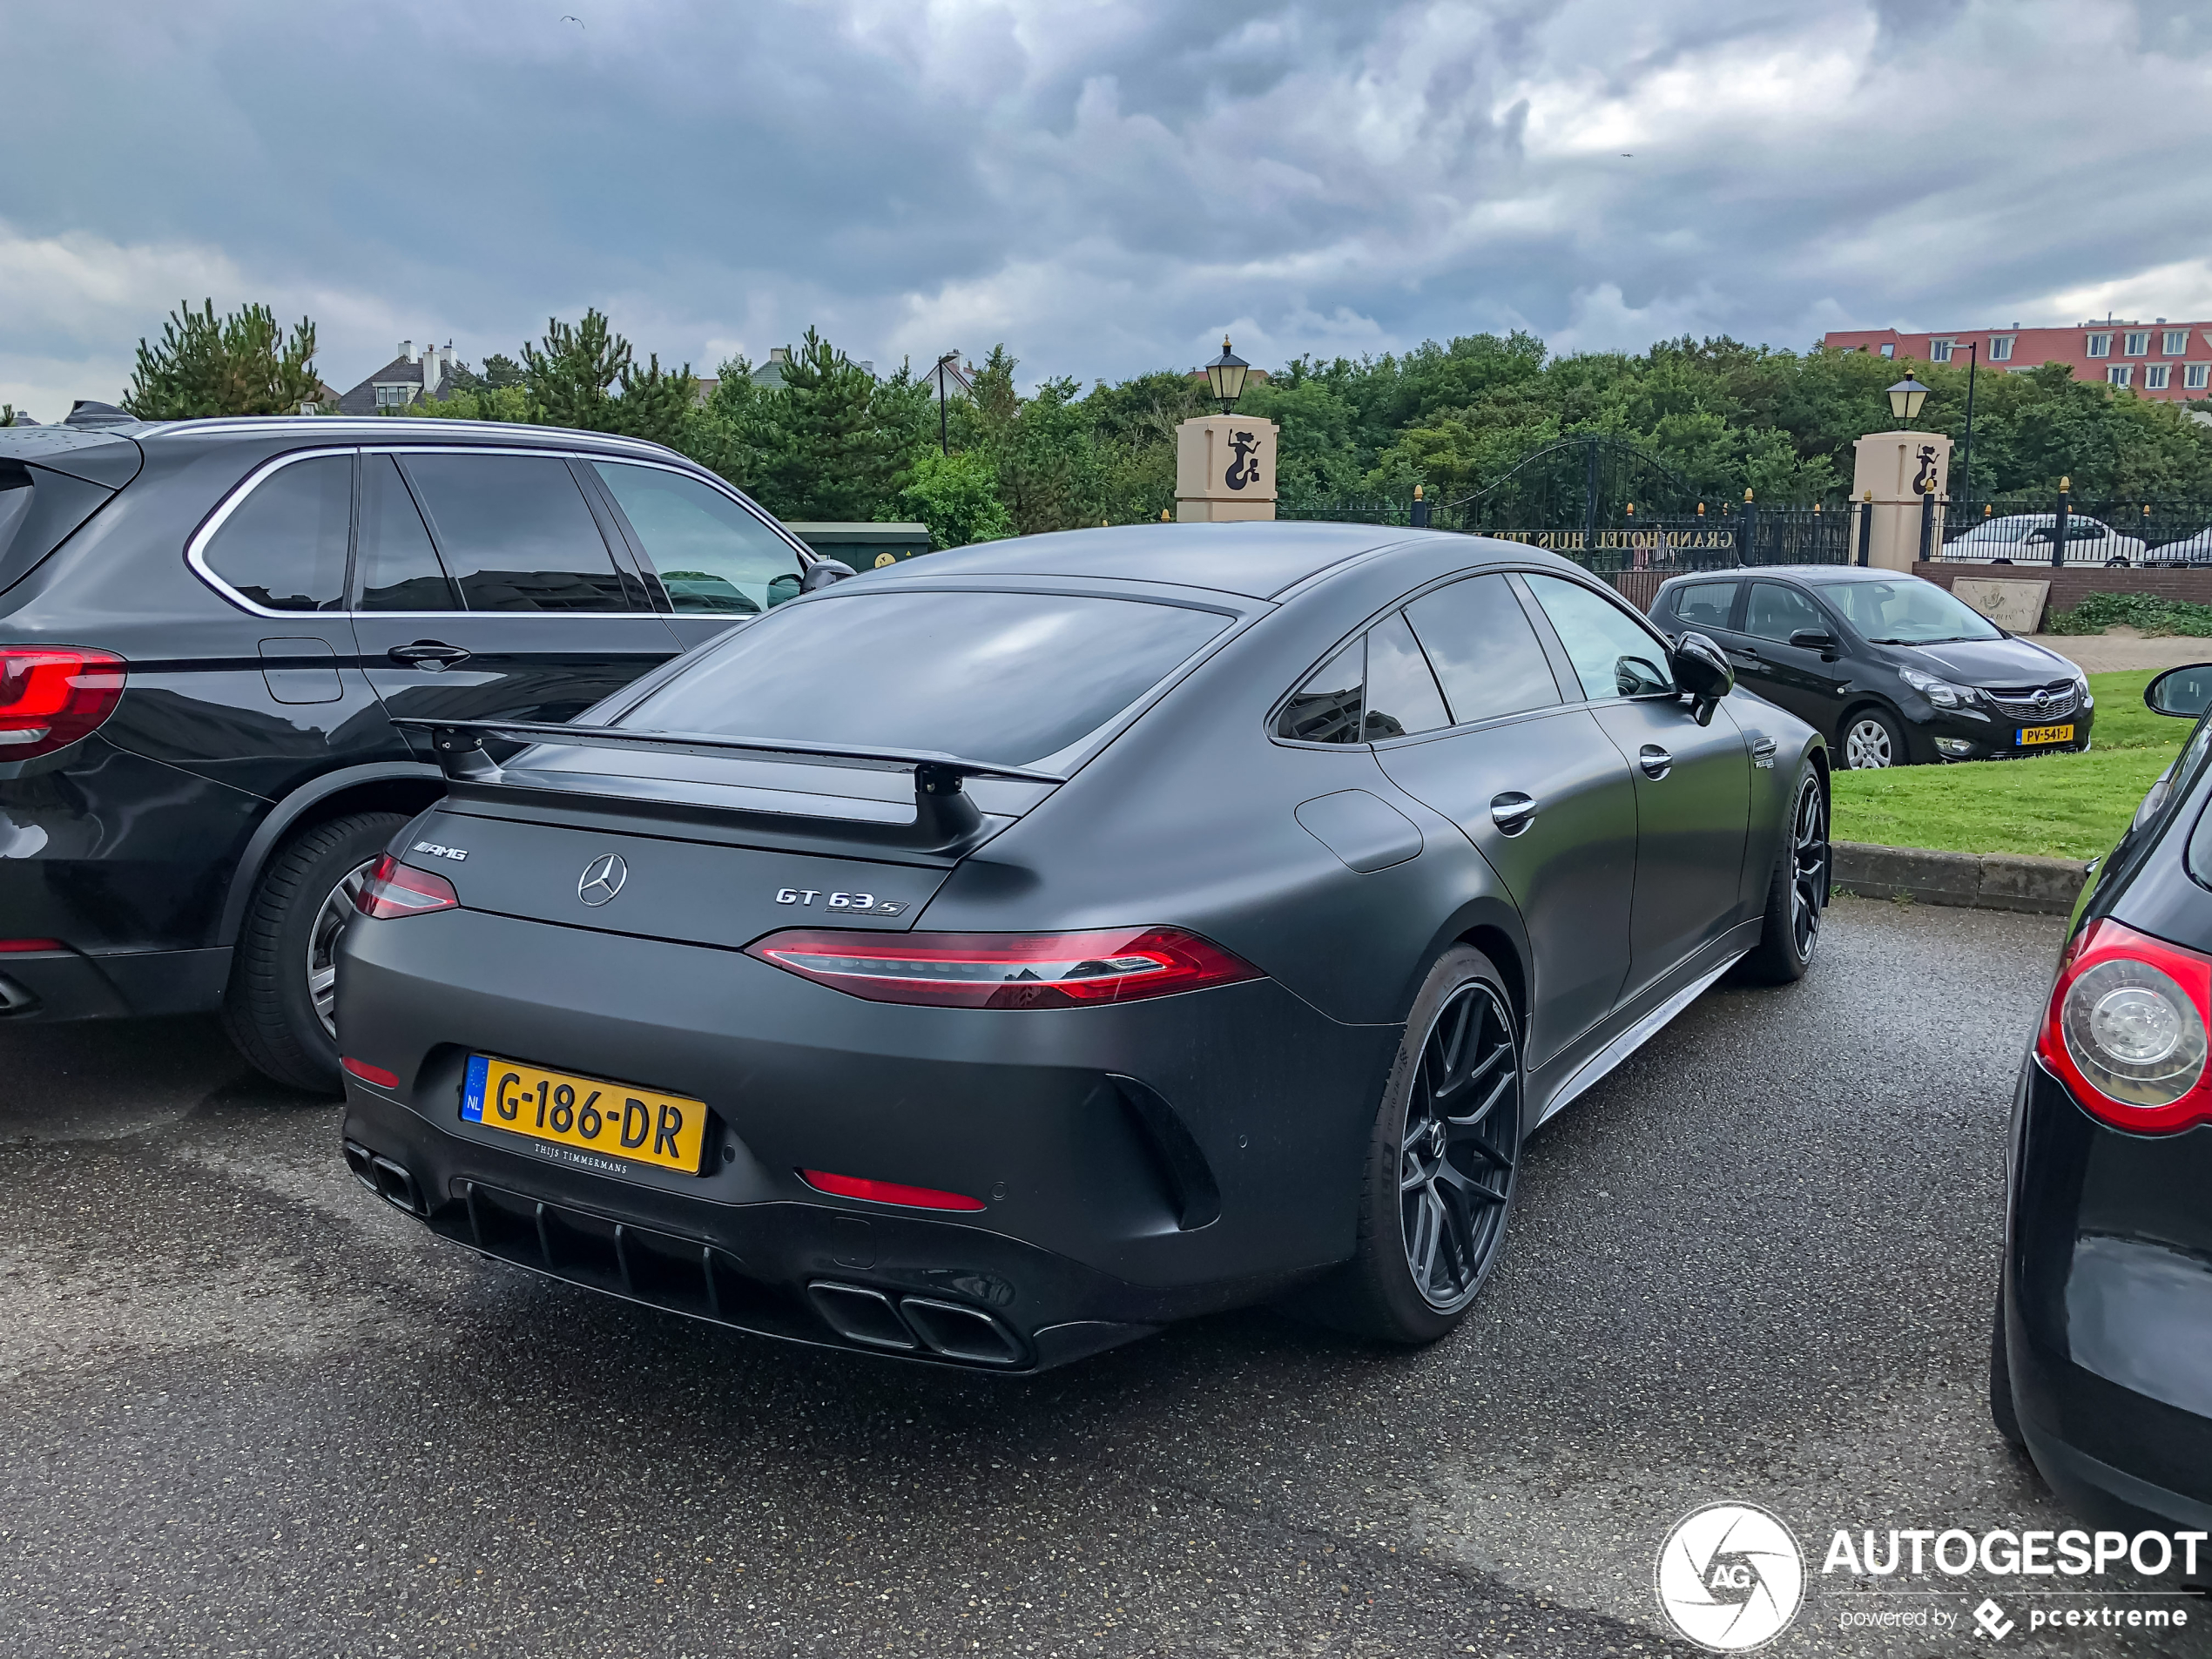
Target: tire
{"points": [[2002, 1411], [1797, 892], [1453, 1224], [280, 964], [1872, 739]]}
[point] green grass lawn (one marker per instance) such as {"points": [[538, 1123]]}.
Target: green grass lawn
{"points": [[2061, 806]]}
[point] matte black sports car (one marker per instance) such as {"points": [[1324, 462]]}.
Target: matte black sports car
{"points": [[990, 959], [2100, 1363]]}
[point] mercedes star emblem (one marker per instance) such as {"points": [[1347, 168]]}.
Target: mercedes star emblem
{"points": [[603, 878]]}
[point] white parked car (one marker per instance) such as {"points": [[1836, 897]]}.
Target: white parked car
{"points": [[2026, 538]]}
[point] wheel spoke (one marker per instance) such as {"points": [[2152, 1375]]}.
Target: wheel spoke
{"points": [[1457, 1129], [1449, 1176], [1450, 1218]]}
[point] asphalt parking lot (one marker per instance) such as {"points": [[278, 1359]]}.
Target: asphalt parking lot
{"points": [[249, 1410]]}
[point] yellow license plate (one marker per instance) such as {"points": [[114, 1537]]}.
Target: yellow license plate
{"points": [[588, 1114], [2045, 734]]}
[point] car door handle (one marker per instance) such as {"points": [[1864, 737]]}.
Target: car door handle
{"points": [[428, 653], [1512, 812], [1656, 762]]}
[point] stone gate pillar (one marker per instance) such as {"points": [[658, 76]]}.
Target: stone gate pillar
{"points": [[1899, 467], [1225, 469]]}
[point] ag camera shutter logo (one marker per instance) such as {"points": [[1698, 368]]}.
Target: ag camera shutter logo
{"points": [[1730, 1576]]}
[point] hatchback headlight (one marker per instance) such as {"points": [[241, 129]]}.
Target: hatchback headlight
{"points": [[1942, 693]]}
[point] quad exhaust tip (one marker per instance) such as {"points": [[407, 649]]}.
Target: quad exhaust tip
{"points": [[388, 1180], [914, 1324]]}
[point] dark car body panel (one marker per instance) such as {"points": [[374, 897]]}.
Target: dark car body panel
{"points": [[139, 845], [2107, 1280], [1826, 688], [1339, 872]]}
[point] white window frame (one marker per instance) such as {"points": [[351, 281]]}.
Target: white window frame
{"points": [[2000, 347], [2177, 341], [2136, 343], [2100, 344], [1940, 350], [2155, 376], [1889, 348], [2195, 377], [394, 395], [2120, 374]]}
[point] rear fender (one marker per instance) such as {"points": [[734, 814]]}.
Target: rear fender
{"points": [[386, 785]]}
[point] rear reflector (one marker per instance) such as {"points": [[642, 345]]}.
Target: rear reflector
{"points": [[7, 945], [1005, 970], [370, 1074], [396, 889], [851, 1186], [50, 697]]}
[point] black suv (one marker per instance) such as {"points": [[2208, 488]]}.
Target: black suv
{"points": [[206, 629], [1894, 669]]}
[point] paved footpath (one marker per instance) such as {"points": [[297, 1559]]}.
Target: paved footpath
{"points": [[246, 1409], [2116, 653]]}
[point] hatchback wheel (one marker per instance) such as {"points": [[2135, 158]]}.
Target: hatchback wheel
{"points": [[1441, 1163], [1871, 739], [279, 1009]]}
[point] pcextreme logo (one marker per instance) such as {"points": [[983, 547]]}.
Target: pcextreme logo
{"points": [[1730, 1576]]}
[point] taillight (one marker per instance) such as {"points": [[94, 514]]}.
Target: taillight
{"points": [[50, 697], [10, 946], [853, 1186], [2125, 1029], [1006, 970], [396, 889], [370, 1074]]}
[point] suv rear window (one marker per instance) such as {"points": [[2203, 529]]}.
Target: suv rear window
{"points": [[39, 510], [1010, 678]]}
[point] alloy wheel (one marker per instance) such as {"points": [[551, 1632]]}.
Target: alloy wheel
{"points": [[1809, 858], [1867, 745], [1460, 1144], [322, 944]]}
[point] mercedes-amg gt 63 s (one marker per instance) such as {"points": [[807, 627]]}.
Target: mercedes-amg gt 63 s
{"points": [[990, 959]]}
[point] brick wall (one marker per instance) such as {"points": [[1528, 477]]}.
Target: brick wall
{"points": [[2070, 585]]}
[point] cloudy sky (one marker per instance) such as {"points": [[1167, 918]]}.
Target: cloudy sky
{"points": [[1104, 184]]}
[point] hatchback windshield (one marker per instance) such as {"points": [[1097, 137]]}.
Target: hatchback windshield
{"points": [[1009, 677], [1907, 611]]}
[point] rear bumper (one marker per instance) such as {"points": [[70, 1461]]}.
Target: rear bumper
{"points": [[1089, 1232], [2108, 1310]]}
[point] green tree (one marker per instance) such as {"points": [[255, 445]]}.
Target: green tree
{"points": [[957, 496], [243, 363], [571, 373], [819, 447], [1039, 445], [657, 405]]}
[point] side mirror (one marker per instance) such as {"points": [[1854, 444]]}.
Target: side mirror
{"points": [[822, 572], [1702, 668], [2185, 692], [1818, 639]]}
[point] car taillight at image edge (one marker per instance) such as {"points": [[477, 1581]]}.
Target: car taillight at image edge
{"points": [[1005, 970], [2126, 1030], [396, 889], [50, 696]]}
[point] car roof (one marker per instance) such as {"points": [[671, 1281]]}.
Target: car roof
{"points": [[388, 429], [1258, 560], [1794, 573]]}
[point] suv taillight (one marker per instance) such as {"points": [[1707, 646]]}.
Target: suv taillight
{"points": [[50, 696], [396, 889], [2125, 1029], [1005, 970]]}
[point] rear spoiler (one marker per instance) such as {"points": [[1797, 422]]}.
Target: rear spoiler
{"points": [[945, 816]]}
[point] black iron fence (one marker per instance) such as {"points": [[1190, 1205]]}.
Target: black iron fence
{"points": [[2058, 528]]}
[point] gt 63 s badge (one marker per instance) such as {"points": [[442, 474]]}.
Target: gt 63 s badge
{"points": [[853, 903]]}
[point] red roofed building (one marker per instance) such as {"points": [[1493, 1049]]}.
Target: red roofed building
{"points": [[2155, 358]]}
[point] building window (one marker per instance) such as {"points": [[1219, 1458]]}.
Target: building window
{"points": [[2000, 348], [2100, 344], [2120, 373], [394, 397], [2155, 376], [1889, 348], [2177, 341], [2195, 377], [2138, 344], [1940, 350]]}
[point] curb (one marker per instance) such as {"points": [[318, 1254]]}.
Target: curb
{"points": [[1977, 881]]}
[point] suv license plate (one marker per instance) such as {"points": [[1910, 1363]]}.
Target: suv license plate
{"points": [[617, 1120], [2034, 734]]}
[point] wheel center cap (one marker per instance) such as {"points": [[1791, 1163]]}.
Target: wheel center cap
{"points": [[1436, 1137]]}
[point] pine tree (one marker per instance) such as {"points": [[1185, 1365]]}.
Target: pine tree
{"points": [[573, 374], [659, 405], [824, 453], [240, 364]]}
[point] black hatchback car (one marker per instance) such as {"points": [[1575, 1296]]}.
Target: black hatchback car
{"points": [[2101, 1359], [206, 629], [1894, 669]]}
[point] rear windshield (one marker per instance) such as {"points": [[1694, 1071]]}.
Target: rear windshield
{"points": [[1009, 677], [39, 510]]}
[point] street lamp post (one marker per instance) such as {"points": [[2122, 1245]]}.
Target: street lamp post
{"points": [[1906, 398], [1966, 457], [1225, 374]]}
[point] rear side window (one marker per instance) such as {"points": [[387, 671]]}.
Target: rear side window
{"points": [[283, 547], [1402, 697], [1705, 604], [713, 557], [1485, 652], [398, 568], [1009, 677], [1777, 611], [516, 533], [1326, 709], [1612, 655]]}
